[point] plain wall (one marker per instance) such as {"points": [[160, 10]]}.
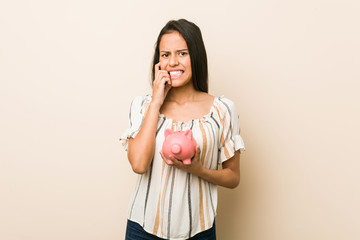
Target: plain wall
{"points": [[68, 73]]}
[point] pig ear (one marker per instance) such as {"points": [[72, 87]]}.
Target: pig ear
{"points": [[188, 134], [168, 132]]}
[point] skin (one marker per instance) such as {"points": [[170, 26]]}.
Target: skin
{"points": [[179, 101]]}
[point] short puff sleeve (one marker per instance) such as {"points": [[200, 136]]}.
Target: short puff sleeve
{"points": [[230, 139], [136, 119]]}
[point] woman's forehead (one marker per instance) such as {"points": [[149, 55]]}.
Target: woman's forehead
{"points": [[172, 41]]}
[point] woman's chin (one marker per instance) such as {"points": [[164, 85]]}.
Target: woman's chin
{"points": [[179, 82]]}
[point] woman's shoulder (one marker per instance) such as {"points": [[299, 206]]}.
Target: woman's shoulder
{"points": [[140, 103], [227, 105], [224, 101], [141, 99]]}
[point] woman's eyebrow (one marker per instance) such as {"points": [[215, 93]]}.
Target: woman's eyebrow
{"points": [[180, 50]]}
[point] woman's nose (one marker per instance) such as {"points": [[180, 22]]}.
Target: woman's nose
{"points": [[173, 60]]}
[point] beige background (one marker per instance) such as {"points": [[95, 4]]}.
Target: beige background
{"points": [[69, 70]]}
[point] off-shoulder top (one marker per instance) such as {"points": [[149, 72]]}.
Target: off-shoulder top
{"points": [[171, 203]]}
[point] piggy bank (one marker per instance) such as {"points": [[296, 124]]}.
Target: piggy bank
{"points": [[180, 144]]}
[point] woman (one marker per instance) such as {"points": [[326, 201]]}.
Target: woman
{"points": [[178, 201]]}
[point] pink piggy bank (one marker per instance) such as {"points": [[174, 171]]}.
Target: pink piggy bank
{"points": [[180, 144]]}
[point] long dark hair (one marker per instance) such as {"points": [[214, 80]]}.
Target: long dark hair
{"points": [[193, 38]]}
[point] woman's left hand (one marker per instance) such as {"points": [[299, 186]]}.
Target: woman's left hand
{"points": [[194, 168]]}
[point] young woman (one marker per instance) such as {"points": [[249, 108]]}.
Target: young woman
{"points": [[178, 201]]}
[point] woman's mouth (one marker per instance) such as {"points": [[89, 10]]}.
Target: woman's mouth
{"points": [[175, 74]]}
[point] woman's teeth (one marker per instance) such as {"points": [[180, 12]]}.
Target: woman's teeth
{"points": [[174, 73]]}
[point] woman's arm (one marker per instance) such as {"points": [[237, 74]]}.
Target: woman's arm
{"points": [[141, 148], [228, 176]]}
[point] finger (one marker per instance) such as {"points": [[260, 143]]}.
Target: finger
{"points": [[164, 158], [166, 80], [161, 74], [162, 155], [175, 161], [197, 152], [163, 78], [168, 87], [157, 68], [158, 75]]}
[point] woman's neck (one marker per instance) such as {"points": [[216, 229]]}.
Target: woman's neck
{"points": [[182, 95]]}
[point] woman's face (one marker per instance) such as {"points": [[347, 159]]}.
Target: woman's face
{"points": [[175, 58]]}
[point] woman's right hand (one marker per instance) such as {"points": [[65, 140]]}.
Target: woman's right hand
{"points": [[161, 85]]}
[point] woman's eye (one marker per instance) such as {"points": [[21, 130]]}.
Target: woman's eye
{"points": [[165, 55], [183, 53]]}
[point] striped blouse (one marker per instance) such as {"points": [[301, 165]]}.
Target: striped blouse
{"points": [[172, 203]]}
